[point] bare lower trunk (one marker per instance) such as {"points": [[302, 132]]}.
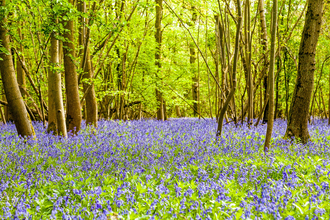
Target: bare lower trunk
{"points": [[233, 89], [178, 112], [264, 43], [8, 76], [52, 123], [248, 60], [158, 36], [73, 115], [298, 116], [271, 79], [192, 66], [56, 88], [3, 119], [91, 104], [20, 72], [56, 116]]}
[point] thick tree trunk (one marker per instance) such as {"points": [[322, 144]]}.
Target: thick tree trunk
{"points": [[8, 76], [73, 115], [298, 116], [56, 116]]}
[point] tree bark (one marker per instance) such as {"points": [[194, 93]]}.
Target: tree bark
{"points": [[14, 98], [56, 118], [52, 123], [20, 72], [298, 116], [233, 89], [91, 103], [248, 54], [2, 116], [271, 78], [73, 115], [158, 37], [195, 85], [264, 43]]}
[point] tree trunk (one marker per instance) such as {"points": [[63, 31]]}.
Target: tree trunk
{"points": [[271, 79], [298, 116], [264, 43], [192, 65], [277, 92], [56, 118], [158, 37], [323, 103], [8, 76], [91, 103], [178, 112], [248, 60], [329, 101], [233, 89], [52, 123], [2, 116], [73, 115], [20, 72]]}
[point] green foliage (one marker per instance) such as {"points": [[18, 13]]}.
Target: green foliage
{"points": [[134, 37]]}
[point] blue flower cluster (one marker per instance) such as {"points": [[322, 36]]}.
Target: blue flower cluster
{"points": [[164, 170]]}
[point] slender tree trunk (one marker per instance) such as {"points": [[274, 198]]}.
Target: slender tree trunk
{"points": [[329, 101], [2, 116], [52, 123], [91, 103], [271, 78], [20, 72], [208, 72], [233, 89], [264, 43], [8, 76], [277, 93], [298, 116], [217, 52], [81, 6], [323, 103], [158, 36], [178, 112], [73, 116], [192, 66], [248, 60], [286, 79]]}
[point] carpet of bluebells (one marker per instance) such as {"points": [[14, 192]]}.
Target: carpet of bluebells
{"points": [[164, 170]]}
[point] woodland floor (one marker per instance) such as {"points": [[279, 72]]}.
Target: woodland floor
{"points": [[164, 170]]}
